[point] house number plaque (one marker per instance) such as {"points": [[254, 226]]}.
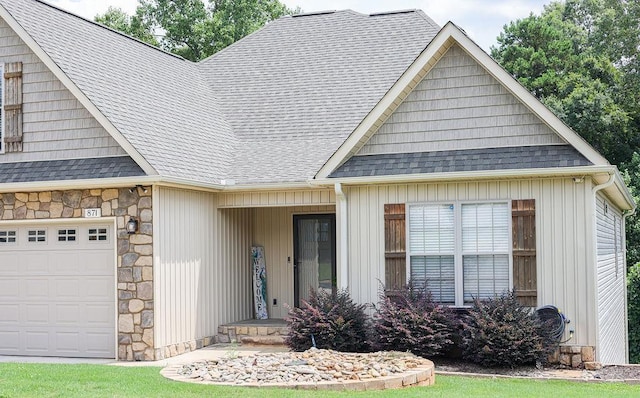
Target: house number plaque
{"points": [[92, 213]]}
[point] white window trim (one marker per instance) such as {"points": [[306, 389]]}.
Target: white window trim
{"points": [[458, 252]]}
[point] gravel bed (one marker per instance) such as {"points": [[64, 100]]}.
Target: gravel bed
{"points": [[311, 366]]}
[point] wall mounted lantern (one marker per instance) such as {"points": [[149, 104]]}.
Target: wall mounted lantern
{"points": [[132, 226]]}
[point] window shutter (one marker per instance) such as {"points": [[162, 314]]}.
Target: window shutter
{"points": [[13, 107], [523, 213], [395, 255]]}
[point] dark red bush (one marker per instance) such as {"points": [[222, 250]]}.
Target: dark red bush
{"points": [[411, 321], [331, 320]]}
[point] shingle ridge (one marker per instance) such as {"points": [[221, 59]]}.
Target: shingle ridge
{"points": [[393, 12], [428, 19], [110, 29], [311, 14]]}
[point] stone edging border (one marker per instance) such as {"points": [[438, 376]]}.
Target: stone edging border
{"points": [[499, 376], [422, 375]]}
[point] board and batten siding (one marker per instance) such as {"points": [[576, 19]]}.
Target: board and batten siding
{"points": [[202, 262], [564, 238], [278, 198], [612, 314], [55, 124], [459, 105], [273, 229]]}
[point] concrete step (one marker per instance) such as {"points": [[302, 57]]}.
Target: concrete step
{"points": [[262, 340]]}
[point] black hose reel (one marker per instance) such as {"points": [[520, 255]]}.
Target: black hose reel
{"points": [[554, 322]]}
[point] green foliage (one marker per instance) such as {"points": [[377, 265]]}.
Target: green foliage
{"points": [[631, 175], [191, 28], [134, 26], [412, 321], [500, 332], [553, 55], [633, 292], [334, 321], [580, 58]]}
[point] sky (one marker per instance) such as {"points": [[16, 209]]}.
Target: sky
{"points": [[483, 20]]}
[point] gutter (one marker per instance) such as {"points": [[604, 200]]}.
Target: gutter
{"points": [[341, 207], [626, 214]]}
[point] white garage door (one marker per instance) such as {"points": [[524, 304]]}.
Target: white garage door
{"points": [[57, 290]]}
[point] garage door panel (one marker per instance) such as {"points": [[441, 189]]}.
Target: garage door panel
{"points": [[9, 314], [57, 297], [68, 342], [66, 263], [93, 315], [37, 341], [8, 263], [9, 288], [10, 341], [37, 314], [98, 262], [67, 288], [34, 264], [35, 289], [68, 314], [97, 289]]}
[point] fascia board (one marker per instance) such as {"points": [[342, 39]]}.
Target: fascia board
{"points": [[468, 175], [75, 90]]}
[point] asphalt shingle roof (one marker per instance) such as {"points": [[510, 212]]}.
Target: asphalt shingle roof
{"points": [[270, 108], [157, 101], [527, 157], [294, 90], [73, 169]]}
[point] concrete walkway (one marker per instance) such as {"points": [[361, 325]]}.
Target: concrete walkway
{"points": [[210, 352]]}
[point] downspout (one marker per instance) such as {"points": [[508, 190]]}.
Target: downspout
{"points": [[594, 207], [341, 198]]}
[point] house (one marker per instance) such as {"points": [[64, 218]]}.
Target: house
{"points": [[354, 148]]}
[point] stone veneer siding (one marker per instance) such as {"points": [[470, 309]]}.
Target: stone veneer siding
{"points": [[573, 356], [135, 252]]}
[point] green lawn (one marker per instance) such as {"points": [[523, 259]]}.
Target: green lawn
{"points": [[47, 380]]}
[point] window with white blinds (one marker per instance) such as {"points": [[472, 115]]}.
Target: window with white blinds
{"points": [[470, 238]]}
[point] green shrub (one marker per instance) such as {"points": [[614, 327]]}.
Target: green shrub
{"points": [[633, 294], [500, 332], [411, 321], [331, 320]]}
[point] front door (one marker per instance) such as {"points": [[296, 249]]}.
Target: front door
{"points": [[314, 245]]}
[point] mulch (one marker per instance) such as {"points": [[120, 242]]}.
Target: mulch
{"points": [[607, 373]]}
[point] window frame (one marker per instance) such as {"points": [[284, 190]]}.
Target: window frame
{"points": [[459, 253]]}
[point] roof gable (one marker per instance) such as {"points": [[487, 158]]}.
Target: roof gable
{"points": [[55, 125], [449, 36], [459, 105], [154, 104]]}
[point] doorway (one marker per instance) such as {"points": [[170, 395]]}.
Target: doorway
{"points": [[314, 260]]}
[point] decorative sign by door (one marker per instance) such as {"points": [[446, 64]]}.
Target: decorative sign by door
{"points": [[259, 271]]}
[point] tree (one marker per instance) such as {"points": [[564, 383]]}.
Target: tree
{"points": [[580, 58], [551, 55], [193, 29], [134, 26]]}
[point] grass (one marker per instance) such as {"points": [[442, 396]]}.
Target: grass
{"points": [[52, 380]]}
